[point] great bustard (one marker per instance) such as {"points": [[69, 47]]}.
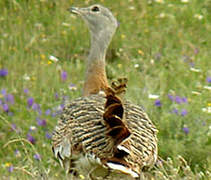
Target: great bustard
{"points": [[108, 132]]}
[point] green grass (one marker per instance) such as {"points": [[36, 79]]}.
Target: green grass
{"points": [[154, 47]]}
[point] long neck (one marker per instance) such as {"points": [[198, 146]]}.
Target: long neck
{"points": [[95, 77]]}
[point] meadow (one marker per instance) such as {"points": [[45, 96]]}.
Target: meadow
{"points": [[163, 47]]}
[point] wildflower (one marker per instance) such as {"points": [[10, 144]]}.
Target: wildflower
{"points": [[9, 98], [30, 101], [136, 65], [3, 92], [140, 52], [207, 87], [64, 75], [14, 127], [209, 79], [178, 99], [31, 139], [10, 168], [48, 112], [35, 106], [5, 107], [153, 96], [207, 109], [17, 153], [37, 156], [53, 58], [184, 100], [171, 97], [65, 24], [175, 110], [158, 103], [3, 72], [198, 16], [48, 135], [185, 130], [26, 91], [72, 87], [184, 1], [123, 36], [32, 128], [159, 1], [184, 112], [56, 96], [41, 122], [26, 77]]}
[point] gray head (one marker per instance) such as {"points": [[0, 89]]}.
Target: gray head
{"points": [[99, 19]]}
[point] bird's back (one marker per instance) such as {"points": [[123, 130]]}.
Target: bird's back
{"points": [[82, 130]]}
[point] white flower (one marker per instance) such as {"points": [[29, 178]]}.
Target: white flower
{"points": [[136, 65], [196, 92], [53, 58], [33, 128], [207, 110], [185, 1], [65, 24], [26, 77], [195, 70], [153, 96], [207, 87], [199, 16], [159, 1]]}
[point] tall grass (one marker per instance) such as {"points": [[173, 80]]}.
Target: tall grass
{"points": [[163, 47]]}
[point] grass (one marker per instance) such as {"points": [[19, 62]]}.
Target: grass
{"points": [[163, 49]]}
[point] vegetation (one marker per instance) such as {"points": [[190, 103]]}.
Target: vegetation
{"points": [[162, 46]]}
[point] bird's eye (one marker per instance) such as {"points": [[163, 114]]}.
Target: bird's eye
{"points": [[95, 9]]}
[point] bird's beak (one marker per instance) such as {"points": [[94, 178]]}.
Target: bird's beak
{"points": [[74, 10]]}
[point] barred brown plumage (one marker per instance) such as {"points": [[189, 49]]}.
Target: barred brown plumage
{"points": [[101, 131]]}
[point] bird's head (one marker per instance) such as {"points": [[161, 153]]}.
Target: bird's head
{"points": [[99, 19]]}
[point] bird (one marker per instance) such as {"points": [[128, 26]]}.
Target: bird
{"points": [[101, 133]]}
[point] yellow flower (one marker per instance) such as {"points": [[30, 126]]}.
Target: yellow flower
{"points": [[119, 66], [140, 52], [42, 56], [49, 62], [81, 176], [8, 164], [123, 36], [209, 104]]}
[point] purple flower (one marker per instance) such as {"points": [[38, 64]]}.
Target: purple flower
{"points": [[36, 107], [209, 79], [10, 168], [171, 97], [26, 91], [13, 127], [41, 122], [158, 103], [178, 99], [64, 75], [56, 96], [4, 92], [3, 72], [175, 110], [37, 157], [48, 112], [17, 153], [30, 101], [184, 112], [5, 107], [31, 139], [48, 135], [184, 100], [9, 98], [1, 102], [185, 130]]}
